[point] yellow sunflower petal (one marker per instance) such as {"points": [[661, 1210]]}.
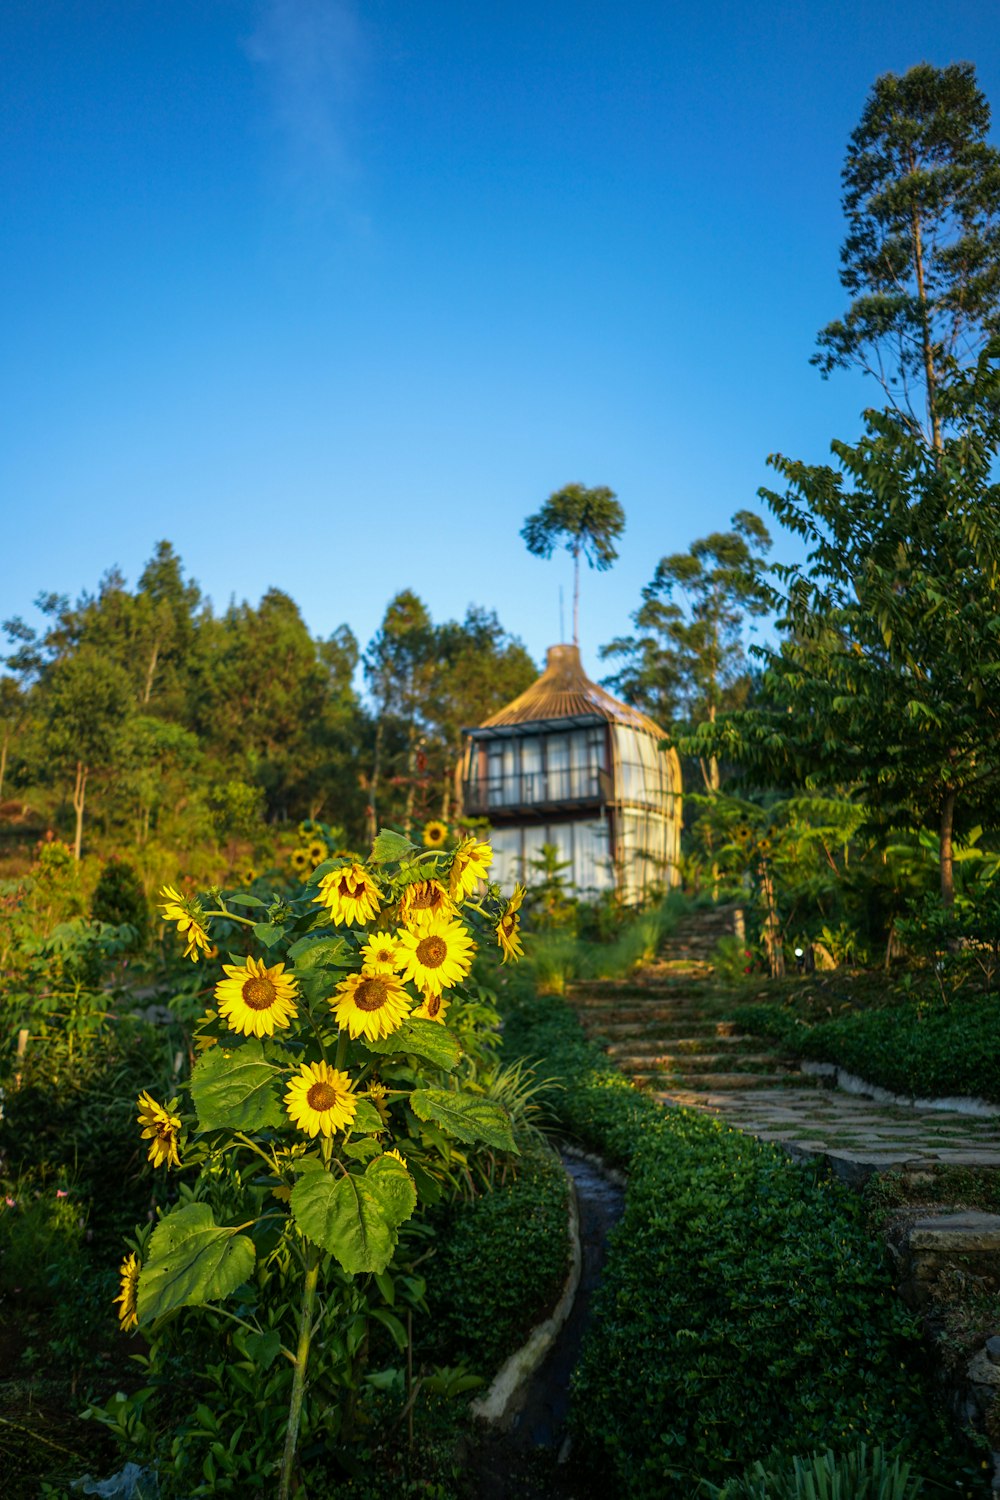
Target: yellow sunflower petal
{"points": [[319, 1099], [436, 956], [350, 895], [372, 1005], [255, 1000]]}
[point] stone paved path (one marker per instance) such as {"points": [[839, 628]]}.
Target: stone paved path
{"points": [[669, 1029]]}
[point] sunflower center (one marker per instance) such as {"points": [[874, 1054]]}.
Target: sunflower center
{"points": [[432, 951], [384, 956], [371, 994], [423, 899], [259, 993], [433, 1005], [322, 1096]]}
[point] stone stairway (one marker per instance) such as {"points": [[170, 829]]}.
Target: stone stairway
{"points": [[669, 1029]]}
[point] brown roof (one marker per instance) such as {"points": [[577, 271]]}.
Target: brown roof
{"points": [[564, 691]]}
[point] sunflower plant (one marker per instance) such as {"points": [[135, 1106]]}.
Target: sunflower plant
{"points": [[327, 1077]]}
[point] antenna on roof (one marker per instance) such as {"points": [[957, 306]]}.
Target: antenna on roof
{"points": [[562, 618]]}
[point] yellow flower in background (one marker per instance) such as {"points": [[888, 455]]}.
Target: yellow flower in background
{"points": [[161, 1129], [187, 915], [128, 1316], [437, 956], [320, 1100], [435, 834], [318, 852], [509, 927], [300, 861], [254, 999], [372, 1005], [304, 829], [350, 895], [472, 859], [248, 876], [380, 955], [434, 1008], [424, 899]]}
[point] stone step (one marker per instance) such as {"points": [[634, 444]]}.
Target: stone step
{"points": [[708, 1062], [703, 1083], [682, 1046]]}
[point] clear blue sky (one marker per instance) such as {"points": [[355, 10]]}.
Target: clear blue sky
{"points": [[334, 293]]}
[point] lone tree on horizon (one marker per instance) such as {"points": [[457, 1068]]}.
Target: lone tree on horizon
{"points": [[588, 522]]}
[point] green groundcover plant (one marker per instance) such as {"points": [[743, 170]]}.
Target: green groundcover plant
{"points": [[744, 1309]]}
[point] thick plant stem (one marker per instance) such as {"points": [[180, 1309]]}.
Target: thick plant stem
{"points": [[299, 1377]]}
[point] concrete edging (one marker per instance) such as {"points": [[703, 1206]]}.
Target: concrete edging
{"points": [[850, 1083], [508, 1388]]}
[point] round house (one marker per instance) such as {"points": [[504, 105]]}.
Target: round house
{"points": [[568, 765]]}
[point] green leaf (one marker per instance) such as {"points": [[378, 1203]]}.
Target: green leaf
{"points": [[268, 933], [465, 1116], [427, 1039], [390, 847], [363, 1149], [316, 952], [392, 1323], [356, 1217], [248, 901], [233, 1089], [262, 1348], [367, 1118], [191, 1261]]}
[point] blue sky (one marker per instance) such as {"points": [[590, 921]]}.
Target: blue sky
{"points": [[334, 293]]}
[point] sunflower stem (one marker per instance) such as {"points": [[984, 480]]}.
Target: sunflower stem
{"points": [[299, 1375], [231, 916]]}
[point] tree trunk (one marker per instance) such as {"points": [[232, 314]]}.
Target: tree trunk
{"points": [[576, 598], [930, 373], [372, 814], [3, 760], [772, 931], [79, 798], [151, 671], [947, 848]]}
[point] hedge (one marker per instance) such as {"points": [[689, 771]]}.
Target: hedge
{"points": [[744, 1309]]}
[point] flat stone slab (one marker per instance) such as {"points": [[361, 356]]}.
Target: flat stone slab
{"points": [[964, 1232]]}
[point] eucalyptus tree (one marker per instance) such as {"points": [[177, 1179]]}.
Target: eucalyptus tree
{"points": [[587, 522], [921, 261]]}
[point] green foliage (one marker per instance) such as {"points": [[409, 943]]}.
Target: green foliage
{"points": [[862, 1474], [914, 1047], [499, 1266], [743, 1307], [588, 521], [119, 898]]}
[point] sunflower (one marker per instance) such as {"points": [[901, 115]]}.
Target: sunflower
{"points": [[161, 1129], [427, 898], [435, 833], [254, 999], [300, 861], [248, 876], [468, 868], [434, 1008], [437, 956], [380, 955], [317, 852], [509, 927], [128, 1316], [396, 1155], [305, 829], [371, 1005], [189, 924], [350, 895], [320, 1099]]}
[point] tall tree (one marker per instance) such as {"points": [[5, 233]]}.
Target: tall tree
{"points": [[400, 666], [886, 680], [921, 261], [692, 651], [588, 522], [85, 702]]}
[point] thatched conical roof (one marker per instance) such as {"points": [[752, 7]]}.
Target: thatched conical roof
{"points": [[564, 691]]}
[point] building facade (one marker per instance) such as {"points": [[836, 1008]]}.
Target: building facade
{"points": [[567, 764]]}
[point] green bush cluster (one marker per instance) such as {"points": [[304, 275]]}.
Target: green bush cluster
{"points": [[744, 1307], [119, 898], [500, 1264], [927, 1050]]}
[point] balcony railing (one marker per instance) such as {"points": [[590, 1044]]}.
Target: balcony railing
{"points": [[571, 784]]}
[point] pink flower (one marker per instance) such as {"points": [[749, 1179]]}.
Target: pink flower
{"points": [[11, 1202], [61, 1194]]}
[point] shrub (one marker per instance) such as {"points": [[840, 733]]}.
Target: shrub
{"points": [[119, 898], [862, 1474], [744, 1306], [499, 1267]]}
